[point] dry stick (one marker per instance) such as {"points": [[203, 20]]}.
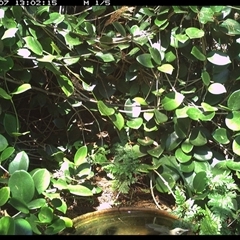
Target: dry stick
{"points": [[154, 199]]}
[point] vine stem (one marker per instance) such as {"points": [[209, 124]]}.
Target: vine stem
{"points": [[165, 182]]}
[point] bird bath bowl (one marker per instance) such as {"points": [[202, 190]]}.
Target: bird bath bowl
{"points": [[122, 221]]}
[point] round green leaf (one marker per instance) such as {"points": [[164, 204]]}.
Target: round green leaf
{"points": [[55, 18], [119, 28], [217, 88], [200, 182], [118, 120], [66, 84], [22, 88], [10, 124], [201, 166], [34, 222], [34, 45], [6, 64], [59, 204], [234, 100], [106, 57], [236, 145], [80, 156], [232, 26], [235, 166], [3, 142], [193, 32], [41, 178], [206, 15], [145, 59], [160, 117], [197, 137], [7, 225], [7, 152], [202, 153], [172, 101], [22, 227], [45, 215], [36, 203], [3, 94], [181, 156], [208, 108], [162, 183], [79, 190], [232, 120], [148, 116], [186, 146], [135, 123], [20, 162], [19, 204], [132, 108], [75, 41], [205, 77], [104, 109], [197, 53], [156, 151], [155, 54], [166, 68], [140, 101], [218, 58], [207, 116], [57, 226], [221, 136], [187, 167], [145, 142], [172, 141], [194, 113], [4, 195], [22, 185]]}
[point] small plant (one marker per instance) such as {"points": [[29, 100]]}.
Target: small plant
{"points": [[74, 176], [213, 210], [122, 169]]}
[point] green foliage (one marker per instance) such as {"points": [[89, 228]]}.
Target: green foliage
{"points": [[214, 209], [165, 78], [123, 168]]}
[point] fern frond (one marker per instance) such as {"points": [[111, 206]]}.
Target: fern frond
{"points": [[210, 224]]}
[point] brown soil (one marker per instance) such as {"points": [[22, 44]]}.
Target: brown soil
{"points": [[139, 196]]}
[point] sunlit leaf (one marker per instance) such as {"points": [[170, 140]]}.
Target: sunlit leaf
{"points": [[104, 109], [232, 120], [80, 190], [172, 101], [21, 185], [233, 101], [66, 84], [34, 45], [22, 88], [80, 155], [166, 68], [217, 88], [221, 135], [4, 195], [9, 33], [236, 145], [218, 58], [194, 32]]}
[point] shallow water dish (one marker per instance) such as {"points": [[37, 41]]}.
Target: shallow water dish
{"points": [[122, 221]]}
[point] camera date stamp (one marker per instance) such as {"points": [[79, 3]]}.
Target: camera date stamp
{"points": [[51, 3], [28, 3]]}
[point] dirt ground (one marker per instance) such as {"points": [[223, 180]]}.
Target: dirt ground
{"points": [[139, 196]]}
